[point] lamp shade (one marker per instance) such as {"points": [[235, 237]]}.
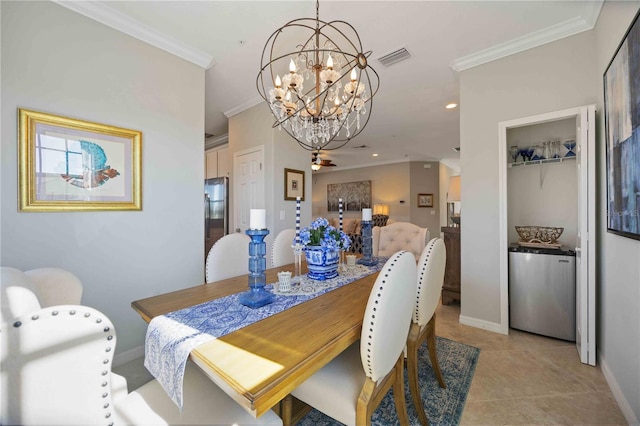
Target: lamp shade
{"points": [[381, 209], [454, 189]]}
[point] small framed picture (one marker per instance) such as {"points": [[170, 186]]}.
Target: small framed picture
{"points": [[293, 184], [67, 164], [425, 200]]}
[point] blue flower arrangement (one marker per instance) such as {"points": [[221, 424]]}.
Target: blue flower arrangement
{"points": [[320, 233]]}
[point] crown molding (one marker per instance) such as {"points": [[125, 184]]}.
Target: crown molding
{"points": [[216, 142], [243, 106], [586, 21], [110, 17]]}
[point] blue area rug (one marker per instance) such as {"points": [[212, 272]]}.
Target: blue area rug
{"points": [[443, 406]]}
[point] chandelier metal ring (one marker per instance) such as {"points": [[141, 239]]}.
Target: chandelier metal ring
{"points": [[320, 90]]}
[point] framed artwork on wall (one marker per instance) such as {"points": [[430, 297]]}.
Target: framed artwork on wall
{"points": [[355, 196], [293, 184], [425, 200], [622, 130], [67, 164]]}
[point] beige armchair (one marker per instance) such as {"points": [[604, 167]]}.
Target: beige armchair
{"points": [[399, 236]]}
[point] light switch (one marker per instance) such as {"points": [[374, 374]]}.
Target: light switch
{"points": [[433, 212], [281, 214]]}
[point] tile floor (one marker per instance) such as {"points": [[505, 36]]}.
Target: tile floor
{"points": [[528, 379], [520, 379]]}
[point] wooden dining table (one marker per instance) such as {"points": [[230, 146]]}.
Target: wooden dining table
{"points": [[260, 364]]}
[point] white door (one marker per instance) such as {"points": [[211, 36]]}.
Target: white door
{"points": [[585, 245], [248, 187]]}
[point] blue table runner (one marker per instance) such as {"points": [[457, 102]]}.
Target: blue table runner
{"points": [[171, 337]]}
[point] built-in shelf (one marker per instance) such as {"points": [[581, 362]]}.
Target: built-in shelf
{"points": [[545, 161]]}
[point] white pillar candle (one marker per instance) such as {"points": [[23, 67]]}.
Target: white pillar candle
{"points": [[366, 214], [340, 212], [257, 219]]}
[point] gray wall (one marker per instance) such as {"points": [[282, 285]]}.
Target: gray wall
{"points": [[57, 61], [254, 127], [552, 77], [397, 185], [619, 258], [425, 181], [563, 74]]}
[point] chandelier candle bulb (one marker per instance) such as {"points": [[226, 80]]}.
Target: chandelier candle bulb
{"points": [[257, 219]]}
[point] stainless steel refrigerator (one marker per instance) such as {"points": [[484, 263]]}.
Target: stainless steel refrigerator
{"points": [[216, 211]]}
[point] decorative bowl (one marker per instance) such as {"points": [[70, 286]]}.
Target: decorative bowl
{"points": [[541, 234]]}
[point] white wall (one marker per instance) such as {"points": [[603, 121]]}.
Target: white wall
{"points": [[619, 257], [552, 77], [57, 61]]}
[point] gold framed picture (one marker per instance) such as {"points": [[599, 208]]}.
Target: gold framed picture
{"points": [[425, 200], [293, 184], [67, 164]]}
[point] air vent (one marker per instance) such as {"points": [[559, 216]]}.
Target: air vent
{"points": [[394, 57], [361, 147]]}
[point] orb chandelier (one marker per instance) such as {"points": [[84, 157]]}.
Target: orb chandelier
{"points": [[317, 82]]}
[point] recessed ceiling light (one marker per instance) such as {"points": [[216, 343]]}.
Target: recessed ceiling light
{"points": [[374, 155], [451, 105]]}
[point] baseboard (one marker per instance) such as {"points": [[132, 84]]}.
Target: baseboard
{"points": [[478, 323], [627, 412], [126, 356]]}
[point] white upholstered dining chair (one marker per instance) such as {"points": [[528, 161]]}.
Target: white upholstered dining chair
{"points": [[228, 257], [281, 251], [396, 236], [352, 385], [56, 370], [56, 286], [423, 326]]}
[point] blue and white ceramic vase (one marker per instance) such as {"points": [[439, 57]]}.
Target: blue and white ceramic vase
{"points": [[322, 262]]}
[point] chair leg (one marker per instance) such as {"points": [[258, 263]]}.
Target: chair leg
{"points": [[412, 372], [364, 408], [398, 392], [287, 404], [433, 355]]}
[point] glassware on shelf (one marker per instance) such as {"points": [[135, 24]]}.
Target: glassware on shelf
{"points": [[570, 145], [537, 153], [546, 149], [530, 152], [514, 151], [555, 148]]}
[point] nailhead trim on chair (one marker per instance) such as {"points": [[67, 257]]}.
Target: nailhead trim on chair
{"points": [[108, 349], [422, 271], [378, 295]]}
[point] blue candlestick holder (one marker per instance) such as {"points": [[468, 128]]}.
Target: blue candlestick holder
{"points": [[257, 296], [367, 250]]}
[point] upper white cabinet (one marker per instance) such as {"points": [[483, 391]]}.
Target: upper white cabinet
{"points": [[217, 163]]}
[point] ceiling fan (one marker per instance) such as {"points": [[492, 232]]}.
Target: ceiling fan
{"points": [[317, 162]]}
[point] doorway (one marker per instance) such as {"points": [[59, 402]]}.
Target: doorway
{"points": [[584, 118], [248, 186]]}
